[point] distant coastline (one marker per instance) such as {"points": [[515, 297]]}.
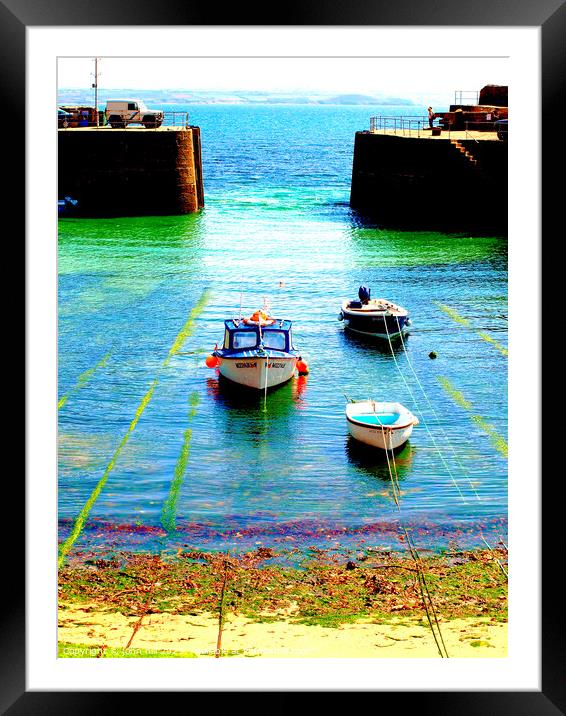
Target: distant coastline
{"points": [[180, 96]]}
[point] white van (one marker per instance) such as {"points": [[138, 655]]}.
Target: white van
{"points": [[121, 112]]}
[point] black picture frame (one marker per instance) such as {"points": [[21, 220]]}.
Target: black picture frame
{"points": [[550, 16]]}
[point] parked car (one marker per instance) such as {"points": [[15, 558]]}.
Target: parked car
{"points": [[501, 129], [79, 115], [121, 112], [63, 118]]}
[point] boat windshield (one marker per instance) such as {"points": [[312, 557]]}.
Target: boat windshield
{"points": [[244, 339], [276, 340]]}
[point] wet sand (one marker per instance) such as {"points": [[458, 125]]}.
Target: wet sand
{"points": [[409, 637]]}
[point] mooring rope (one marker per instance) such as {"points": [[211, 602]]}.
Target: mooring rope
{"points": [[501, 567], [218, 652], [420, 570], [450, 446], [447, 467], [423, 587], [265, 387], [491, 549], [394, 463]]}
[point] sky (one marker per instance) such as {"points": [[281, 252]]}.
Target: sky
{"points": [[424, 80]]}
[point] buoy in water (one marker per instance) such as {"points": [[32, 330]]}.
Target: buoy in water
{"points": [[212, 361], [302, 367], [432, 354]]}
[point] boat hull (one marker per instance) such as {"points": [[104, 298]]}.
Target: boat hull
{"points": [[363, 424], [383, 326], [384, 438], [258, 372]]}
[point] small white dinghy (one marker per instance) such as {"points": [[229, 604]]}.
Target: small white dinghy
{"points": [[383, 425]]}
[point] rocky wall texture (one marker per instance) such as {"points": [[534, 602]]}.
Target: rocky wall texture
{"points": [[131, 172], [423, 184]]}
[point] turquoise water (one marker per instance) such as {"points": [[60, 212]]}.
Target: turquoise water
{"points": [[209, 466], [378, 419]]}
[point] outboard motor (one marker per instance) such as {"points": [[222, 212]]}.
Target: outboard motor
{"points": [[364, 294]]}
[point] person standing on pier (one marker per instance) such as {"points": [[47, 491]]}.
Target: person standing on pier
{"points": [[431, 116]]}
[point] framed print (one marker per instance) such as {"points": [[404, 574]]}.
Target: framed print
{"points": [[203, 476]]}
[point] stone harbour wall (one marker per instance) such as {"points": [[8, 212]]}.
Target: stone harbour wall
{"points": [[131, 172]]}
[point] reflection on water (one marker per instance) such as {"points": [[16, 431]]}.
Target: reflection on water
{"points": [[377, 463], [390, 247], [370, 344], [235, 396], [246, 415]]}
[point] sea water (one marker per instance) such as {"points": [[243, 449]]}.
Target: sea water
{"points": [[164, 454]]}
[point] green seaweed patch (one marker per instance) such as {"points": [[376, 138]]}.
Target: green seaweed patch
{"points": [[332, 621], [472, 585], [263, 618]]}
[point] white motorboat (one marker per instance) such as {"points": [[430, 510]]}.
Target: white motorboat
{"points": [[258, 351], [376, 317]]}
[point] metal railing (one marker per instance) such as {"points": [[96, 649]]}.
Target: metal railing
{"points": [[175, 119], [466, 97], [398, 125], [170, 119], [484, 126], [414, 126]]}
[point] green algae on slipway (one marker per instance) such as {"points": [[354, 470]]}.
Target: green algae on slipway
{"points": [[80, 520], [497, 440], [457, 318]]}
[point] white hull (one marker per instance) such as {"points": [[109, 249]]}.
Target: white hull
{"points": [[384, 437], [378, 318], [256, 371]]}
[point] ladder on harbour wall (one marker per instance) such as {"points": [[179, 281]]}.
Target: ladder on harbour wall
{"points": [[473, 162], [456, 185], [464, 152]]}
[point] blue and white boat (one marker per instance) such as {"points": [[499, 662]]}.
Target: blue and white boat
{"points": [[376, 317], [383, 425], [258, 351]]}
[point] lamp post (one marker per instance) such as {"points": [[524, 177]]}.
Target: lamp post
{"points": [[95, 87]]}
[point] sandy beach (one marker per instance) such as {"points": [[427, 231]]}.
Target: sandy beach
{"points": [[404, 638]]}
